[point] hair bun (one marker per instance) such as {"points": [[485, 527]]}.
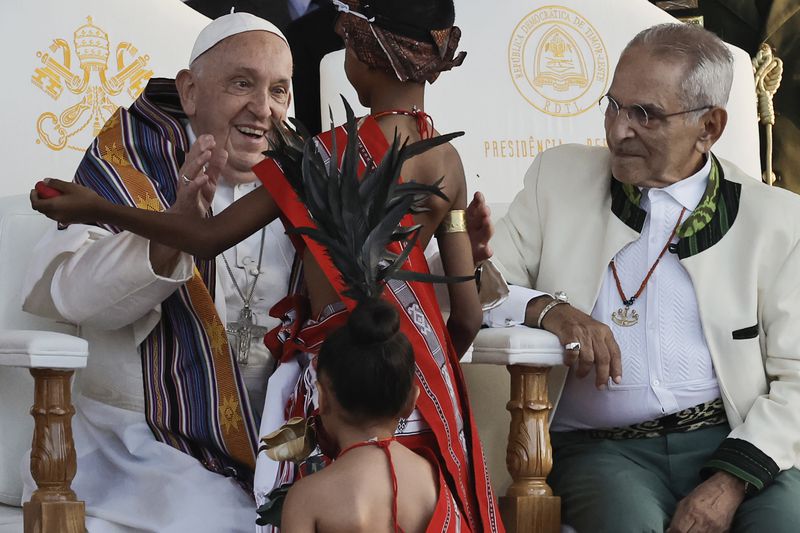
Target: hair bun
{"points": [[373, 321]]}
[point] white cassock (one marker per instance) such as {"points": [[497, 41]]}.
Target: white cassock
{"points": [[105, 284]]}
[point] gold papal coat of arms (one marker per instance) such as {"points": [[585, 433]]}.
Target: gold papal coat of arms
{"points": [[90, 79]]}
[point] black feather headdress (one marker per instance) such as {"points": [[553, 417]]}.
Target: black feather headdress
{"points": [[358, 217]]}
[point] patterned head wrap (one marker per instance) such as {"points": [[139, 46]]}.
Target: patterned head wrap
{"points": [[413, 39]]}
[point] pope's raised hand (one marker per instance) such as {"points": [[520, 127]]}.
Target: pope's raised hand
{"points": [[197, 181]]}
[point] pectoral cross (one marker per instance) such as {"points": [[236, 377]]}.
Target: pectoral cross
{"points": [[242, 331]]}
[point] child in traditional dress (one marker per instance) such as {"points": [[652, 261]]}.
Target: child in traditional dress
{"points": [[365, 382]]}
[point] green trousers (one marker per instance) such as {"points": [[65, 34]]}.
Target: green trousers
{"points": [[632, 486]]}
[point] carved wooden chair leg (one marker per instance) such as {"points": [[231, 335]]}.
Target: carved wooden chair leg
{"points": [[529, 504], [53, 508]]}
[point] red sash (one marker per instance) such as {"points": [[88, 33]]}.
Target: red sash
{"points": [[443, 399], [447, 517]]}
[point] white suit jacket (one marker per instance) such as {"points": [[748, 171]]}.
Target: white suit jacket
{"points": [[564, 227]]}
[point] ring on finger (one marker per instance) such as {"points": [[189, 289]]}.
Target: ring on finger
{"points": [[186, 181], [573, 346]]}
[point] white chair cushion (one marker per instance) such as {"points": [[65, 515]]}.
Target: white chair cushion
{"points": [[42, 349], [518, 345]]}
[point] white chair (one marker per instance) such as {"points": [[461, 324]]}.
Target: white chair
{"points": [[63, 54], [513, 417], [51, 353], [528, 354]]}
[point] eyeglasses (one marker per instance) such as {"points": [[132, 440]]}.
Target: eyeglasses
{"points": [[638, 114]]}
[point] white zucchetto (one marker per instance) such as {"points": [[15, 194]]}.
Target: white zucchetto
{"points": [[228, 25]]}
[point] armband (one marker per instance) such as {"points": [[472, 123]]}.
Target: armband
{"points": [[454, 221]]}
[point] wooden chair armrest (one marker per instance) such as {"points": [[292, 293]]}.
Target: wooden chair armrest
{"points": [[52, 358], [529, 504]]}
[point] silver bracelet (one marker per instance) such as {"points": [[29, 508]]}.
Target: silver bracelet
{"points": [[560, 298]]}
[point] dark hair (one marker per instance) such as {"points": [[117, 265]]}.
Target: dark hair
{"points": [[369, 362], [413, 19]]}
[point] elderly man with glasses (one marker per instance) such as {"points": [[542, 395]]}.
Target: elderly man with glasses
{"points": [[677, 299]]}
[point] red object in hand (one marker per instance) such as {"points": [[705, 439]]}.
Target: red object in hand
{"points": [[45, 191]]}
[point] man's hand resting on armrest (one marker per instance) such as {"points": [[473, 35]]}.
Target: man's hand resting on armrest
{"points": [[597, 347]]}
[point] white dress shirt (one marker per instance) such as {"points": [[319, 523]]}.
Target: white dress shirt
{"points": [[666, 364]]}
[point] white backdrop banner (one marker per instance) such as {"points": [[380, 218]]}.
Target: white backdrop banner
{"points": [[69, 65], [532, 79]]}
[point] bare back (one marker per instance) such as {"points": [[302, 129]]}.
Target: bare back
{"points": [[429, 167], [354, 494]]}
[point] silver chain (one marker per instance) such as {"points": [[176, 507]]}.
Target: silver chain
{"points": [[246, 301]]}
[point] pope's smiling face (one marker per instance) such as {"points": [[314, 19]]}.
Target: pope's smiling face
{"points": [[235, 89]]}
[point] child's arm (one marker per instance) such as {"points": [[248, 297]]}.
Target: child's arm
{"points": [[456, 253], [203, 237]]}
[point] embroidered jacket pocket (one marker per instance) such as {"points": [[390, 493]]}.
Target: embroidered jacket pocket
{"points": [[746, 333]]}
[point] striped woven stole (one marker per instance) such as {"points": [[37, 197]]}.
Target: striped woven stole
{"points": [[195, 399]]}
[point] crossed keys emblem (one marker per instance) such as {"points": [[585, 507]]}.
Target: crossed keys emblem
{"points": [[92, 80]]}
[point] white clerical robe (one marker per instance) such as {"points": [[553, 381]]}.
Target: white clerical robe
{"points": [[129, 480]]}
